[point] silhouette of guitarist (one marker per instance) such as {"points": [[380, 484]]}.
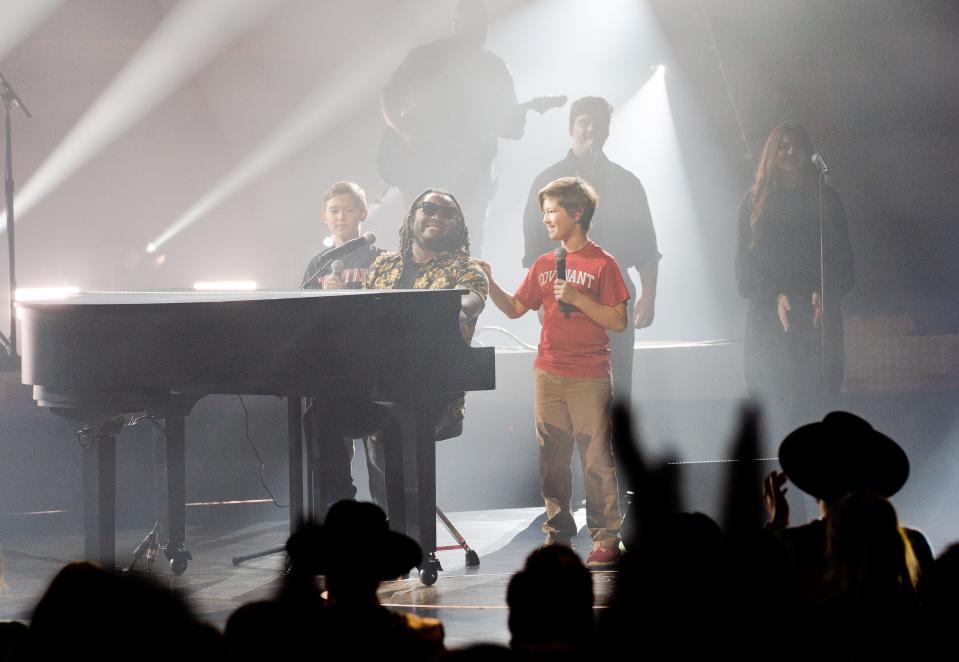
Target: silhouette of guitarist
{"points": [[446, 106]]}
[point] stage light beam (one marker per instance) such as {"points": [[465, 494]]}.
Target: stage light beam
{"points": [[655, 155], [191, 35], [331, 103], [20, 18]]}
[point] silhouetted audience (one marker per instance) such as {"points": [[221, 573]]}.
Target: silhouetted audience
{"points": [[551, 605], [939, 593], [840, 455], [852, 585], [91, 613], [479, 653], [11, 633], [939, 585], [686, 588], [354, 550], [871, 610]]}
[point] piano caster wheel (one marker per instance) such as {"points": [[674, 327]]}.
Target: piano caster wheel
{"points": [[428, 574], [179, 559], [472, 559], [178, 564]]}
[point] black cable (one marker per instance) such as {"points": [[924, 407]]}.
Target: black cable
{"points": [[714, 45], [249, 440], [85, 432]]}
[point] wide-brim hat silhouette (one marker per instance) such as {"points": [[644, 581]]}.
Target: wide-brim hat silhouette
{"points": [[842, 454], [356, 539]]}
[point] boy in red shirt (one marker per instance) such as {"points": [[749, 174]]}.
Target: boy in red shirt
{"points": [[572, 369]]}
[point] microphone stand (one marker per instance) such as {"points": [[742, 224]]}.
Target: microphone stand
{"points": [[10, 98], [822, 275]]}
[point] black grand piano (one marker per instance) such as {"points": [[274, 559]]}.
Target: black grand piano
{"points": [[99, 358]]}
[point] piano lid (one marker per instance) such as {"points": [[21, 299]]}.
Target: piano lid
{"points": [[139, 298], [396, 340]]}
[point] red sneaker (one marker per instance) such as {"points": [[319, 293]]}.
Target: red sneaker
{"points": [[602, 556]]}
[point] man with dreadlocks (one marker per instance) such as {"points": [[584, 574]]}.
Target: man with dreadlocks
{"points": [[434, 254]]}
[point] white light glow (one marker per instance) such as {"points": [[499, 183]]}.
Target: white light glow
{"points": [[328, 241], [45, 293], [653, 152], [191, 35], [312, 119], [225, 285], [20, 17]]}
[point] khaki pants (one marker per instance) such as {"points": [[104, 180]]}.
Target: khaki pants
{"points": [[575, 412]]}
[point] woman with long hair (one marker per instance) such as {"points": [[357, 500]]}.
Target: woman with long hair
{"points": [[793, 342]]}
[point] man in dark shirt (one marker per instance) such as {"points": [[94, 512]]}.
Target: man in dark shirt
{"points": [[446, 106], [434, 254], [622, 224]]}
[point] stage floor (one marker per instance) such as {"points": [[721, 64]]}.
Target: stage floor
{"points": [[471, 602]]}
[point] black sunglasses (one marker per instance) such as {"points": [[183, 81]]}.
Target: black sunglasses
{"points": [[446, 212]]}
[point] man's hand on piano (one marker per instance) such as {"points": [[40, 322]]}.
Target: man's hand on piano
{"points": [[471, 305]]}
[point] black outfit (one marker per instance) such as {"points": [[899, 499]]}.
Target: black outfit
{"points": [[355, 265], [622, 225], [456, 99], [868, 622], [807, 543], [798, 373], [331, 449]]}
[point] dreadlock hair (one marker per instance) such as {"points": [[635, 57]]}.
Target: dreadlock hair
{"points": [[461, 237], [767, 179]]}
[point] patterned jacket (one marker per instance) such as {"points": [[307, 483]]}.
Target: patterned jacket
{"points": [[448, 271]]}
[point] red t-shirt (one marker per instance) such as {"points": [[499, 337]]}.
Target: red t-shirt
{"points": [[578, 346]]}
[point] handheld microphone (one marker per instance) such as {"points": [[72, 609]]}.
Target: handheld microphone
{"points": [[820, 164], [336, 268], [333, 254], [367, 239], [560, 254]]}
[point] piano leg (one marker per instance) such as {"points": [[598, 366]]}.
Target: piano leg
{"points": [[392, 440], [425, 477], [176, 550], [426, 483], [294, 430], [99, 502]]}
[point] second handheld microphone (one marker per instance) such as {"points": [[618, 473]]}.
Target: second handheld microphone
{"points": [[560, 253]]}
